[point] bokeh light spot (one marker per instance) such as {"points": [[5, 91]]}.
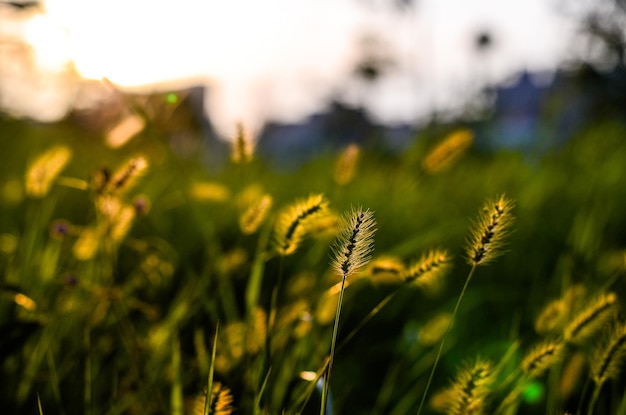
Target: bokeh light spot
{"points": [[533, 392], [171, 98]]}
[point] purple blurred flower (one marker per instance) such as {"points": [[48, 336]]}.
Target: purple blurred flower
{"points": [[141, 205], [60, 229]]}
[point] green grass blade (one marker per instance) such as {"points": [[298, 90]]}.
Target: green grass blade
{"points": [[257, 400], [176, 397], [209, 388]]}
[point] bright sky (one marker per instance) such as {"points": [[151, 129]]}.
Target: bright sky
{"points": [[274, 60]]}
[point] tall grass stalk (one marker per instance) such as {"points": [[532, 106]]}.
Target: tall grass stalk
{"points": [[423, 273], [311, 387], [257, 400], [608, 359], [443, 339], [483, 246], [537, 361], [332, 349], [352, 251]]}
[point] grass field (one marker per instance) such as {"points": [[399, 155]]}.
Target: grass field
{"points": [[137, 281]]}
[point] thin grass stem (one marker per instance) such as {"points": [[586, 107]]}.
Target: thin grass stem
{"points": [[39, 404], [594, 398], [369, 316], [443, 339], [332, 348], [209, 388], [311, 388], [257, 399], [582, 396], [176, 394]]}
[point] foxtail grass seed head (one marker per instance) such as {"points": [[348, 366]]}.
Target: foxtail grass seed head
{"points": [[256, 332], [294, 320], [87, 244], [100, 179], [221, 401], [345, 168], [427, 272], [295, 221], [44, 169], [556, 313], [355, 242], [325, 225], [448, 151], [254, 215], [434, 329], [541, 357], [127, 175], [386, 270], [591, 319], [609, 355], [488, 233], [231, 347], [121, 223], [551, 317], [574, 296], [470, 389], [127, 128], [249, 196], [232, 261], [209, 192], [242, 146]]}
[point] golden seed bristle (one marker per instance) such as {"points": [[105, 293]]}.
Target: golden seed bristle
{"points": [[221, 401], [355, 242], [591, 319], [345, 168], [554, 315], [255, 214], [294, 222], [429, 269], [488, 233], [44, 169], [209, 192], [470, 389], [385, 269], [242, 146], [551, 317], [447, 151], [542, 357], [609, 355], [434, 329], [127, 175]]}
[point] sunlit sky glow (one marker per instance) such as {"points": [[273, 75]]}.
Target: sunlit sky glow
{"points": [[277, 60]]}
